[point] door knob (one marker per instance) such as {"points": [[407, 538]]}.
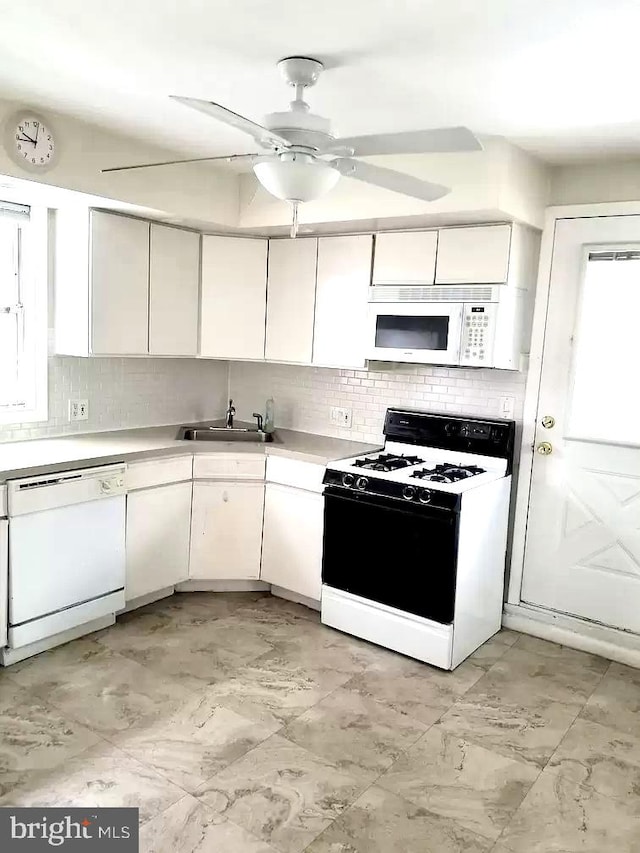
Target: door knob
{"points": [[548, 421], [544, 448]]}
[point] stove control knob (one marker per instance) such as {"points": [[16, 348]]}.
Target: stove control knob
{"points": [[362, 483], [348, 479], [425, 496], [409, 493]]}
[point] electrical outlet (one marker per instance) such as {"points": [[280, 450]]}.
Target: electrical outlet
{"points": [[507, 406], [341, 417], [78, 410]]}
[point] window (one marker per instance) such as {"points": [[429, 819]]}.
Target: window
{"points": [[23, 327], [604, 404]]}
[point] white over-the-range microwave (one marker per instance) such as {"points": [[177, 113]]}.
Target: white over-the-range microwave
{"points": [[467, 326]]}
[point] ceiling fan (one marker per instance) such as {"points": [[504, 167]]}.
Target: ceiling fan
{"points": [[305, 161]]}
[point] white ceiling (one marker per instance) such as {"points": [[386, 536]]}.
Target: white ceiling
{"points": [[558, 77]]}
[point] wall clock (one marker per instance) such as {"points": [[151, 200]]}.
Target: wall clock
{"points": [[30, 141]]}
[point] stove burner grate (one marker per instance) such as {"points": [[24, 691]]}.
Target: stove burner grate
{"points": [[448, 473], [387, 462]]}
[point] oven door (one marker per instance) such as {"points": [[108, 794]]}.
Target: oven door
{"points": [[417, 332], [401, 555]]}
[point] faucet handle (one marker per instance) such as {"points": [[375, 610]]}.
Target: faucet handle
{"points": [[258, 417]]}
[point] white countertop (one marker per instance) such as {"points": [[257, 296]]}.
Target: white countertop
{"points": [[36, 456]]}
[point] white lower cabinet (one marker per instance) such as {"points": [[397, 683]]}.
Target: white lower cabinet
{"points": [[226, 530], [4, 578], [292, 540], [158, 528]]}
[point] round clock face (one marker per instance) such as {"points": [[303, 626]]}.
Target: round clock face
{"points": [[33, 142]]}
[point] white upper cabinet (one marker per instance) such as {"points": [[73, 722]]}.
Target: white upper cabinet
{"points": [[291, 295], [119, 271], [407, 257], [344, 276], [124, 286], [475, 255], [174, 281], [233, 297]]}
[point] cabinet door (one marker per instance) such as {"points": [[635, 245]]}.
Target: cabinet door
{"points": [[174, 282], [291, 296], [119, 285], [344, 276], [226, 530], [292, 545], [4, 579], [158, 530], [406, 258], [475, 255], [234, 295]]}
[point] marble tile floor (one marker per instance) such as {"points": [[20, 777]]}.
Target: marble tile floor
{"points": [[238, 723]]}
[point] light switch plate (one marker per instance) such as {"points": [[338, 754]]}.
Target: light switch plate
{"points": [[507, 406], [340, 416], [78, 410]]}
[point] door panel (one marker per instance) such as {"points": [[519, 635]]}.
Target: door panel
{"points": [[583, 534], [344, 276], [158, 529], [292, 546], [234, 296], [119, 285], [291, 297], [174, 283], [226, 530]]}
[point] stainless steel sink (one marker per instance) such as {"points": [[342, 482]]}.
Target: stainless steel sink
{"points": [[215, 433]]}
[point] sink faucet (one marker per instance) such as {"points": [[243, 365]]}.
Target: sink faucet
{"points": [[230, 413]]}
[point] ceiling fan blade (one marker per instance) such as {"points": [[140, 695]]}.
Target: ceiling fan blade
{"points": [[263, 136], [441, 140], [228, 157], [389, 179]]}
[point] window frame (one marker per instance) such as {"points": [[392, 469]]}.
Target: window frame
{"points": [[34, 248]]}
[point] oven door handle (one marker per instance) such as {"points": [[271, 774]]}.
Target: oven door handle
{"points": [[443, 514]]}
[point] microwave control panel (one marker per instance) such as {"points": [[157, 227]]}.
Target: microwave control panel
{"points": [[478, 333]]}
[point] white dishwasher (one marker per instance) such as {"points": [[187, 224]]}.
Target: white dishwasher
{"points": [[66, 551]]}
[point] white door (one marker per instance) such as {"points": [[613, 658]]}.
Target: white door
{"points": [[174, 284], [292, 541], [119, 285], [234, 297], [226, 530], [583, 534], [158, 531], [405, 257], [478, 254], [291, 298], [344, 276]]}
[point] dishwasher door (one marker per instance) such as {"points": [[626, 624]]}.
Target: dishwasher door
{"points": [[66, 558]]}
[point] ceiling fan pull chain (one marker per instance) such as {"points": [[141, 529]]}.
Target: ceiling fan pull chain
{"points": [[294, 221]]}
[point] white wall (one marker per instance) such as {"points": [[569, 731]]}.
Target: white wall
{"points": [[197, 192], [304, 395], [501, 182], [128, 392], [605, 180]]}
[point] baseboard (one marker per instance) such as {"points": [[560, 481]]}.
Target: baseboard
{"points": [[149, 598], [280, 592], [10, 656], [222, 586], [620, 646]]}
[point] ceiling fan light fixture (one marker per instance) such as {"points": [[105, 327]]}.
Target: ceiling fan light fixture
{"points": [[296, 177]]}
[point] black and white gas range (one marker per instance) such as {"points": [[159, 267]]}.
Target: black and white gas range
{"points": [[415, 536]]}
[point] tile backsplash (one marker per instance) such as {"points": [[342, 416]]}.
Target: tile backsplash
{"points": [[128, 392], [304, 395]]}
